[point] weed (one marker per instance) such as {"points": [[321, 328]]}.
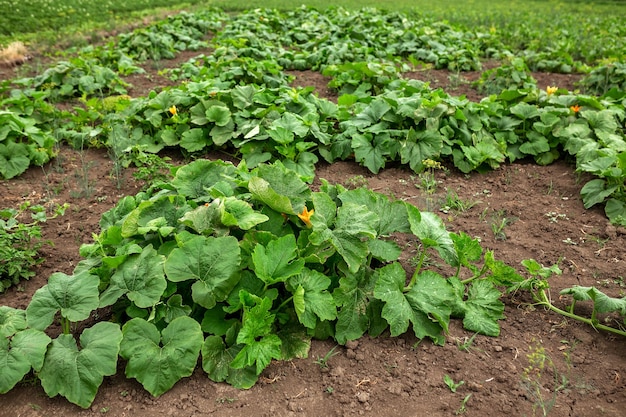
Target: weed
{"points": [[463, 408], [456, 80], [540, 364], [428, 182], [329, 390], [322, 362], [569, 241], [554, 217], [20, 242], [465, 344], [85, 185], [498, 223], [451, 384], [225, 400], [151, 167], [356, 181], [455, 203]]}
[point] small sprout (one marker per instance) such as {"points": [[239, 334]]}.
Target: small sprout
{"points": [[451, 384], [555, 217]]}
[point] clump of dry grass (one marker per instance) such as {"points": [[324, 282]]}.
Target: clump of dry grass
{"points": [[14, 54]]}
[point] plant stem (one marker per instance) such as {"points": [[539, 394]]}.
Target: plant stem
{"points": [[65, 325], [416, 273], [543, 300], [284, 303]]}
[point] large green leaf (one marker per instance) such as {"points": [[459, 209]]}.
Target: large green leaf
{"points": [[366, 153], [602, 303], [616, 211], [75, 296], [21, 351], [13, 159], [279, 188], [261, 345], [595, 191], [12, 320], [353, 297], [277, 261], [419, 146], [427, 305], [141, 278], [311, 298], [212, 262], [392, 215], [483, 309], [216, 360], [194, 179], [431, 231], [76, 373], [159, 359], [353, 226]]}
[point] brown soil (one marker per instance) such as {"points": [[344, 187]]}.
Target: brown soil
{"points": [[384, 376]]}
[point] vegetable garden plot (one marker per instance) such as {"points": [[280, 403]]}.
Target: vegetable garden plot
{"points": [[294, 254]]}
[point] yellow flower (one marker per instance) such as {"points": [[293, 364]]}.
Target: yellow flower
{"points": [[575, 108], [173, 110], [305, 216], [551, 90], [429, 163]]}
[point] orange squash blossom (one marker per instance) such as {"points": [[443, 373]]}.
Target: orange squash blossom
{"points": [[305, 216]]}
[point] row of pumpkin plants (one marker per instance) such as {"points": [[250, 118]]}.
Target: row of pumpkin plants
{"points": [[239, 98]]}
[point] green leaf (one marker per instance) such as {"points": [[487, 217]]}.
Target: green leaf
{"points": [[602, 303], [385, 250], [431, 231], [354, 224], [365, 153], [371, 114], [19, 352], [311, 299], [215, 322], [601, 121], [75, 296], [419, 146], [524, 111], [193, 180], [241, 214], [216, 360], [194, 140], [536, 144], [483, 309], [220, 115], [76, 373], [279, 188], [392, 215], [12, 320], [275, 262], [427, 305], [595, 191], [353, 299], [211, 262], [13, 159], [261, 345], [159, 359], [140, 278], [616, 211]]}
